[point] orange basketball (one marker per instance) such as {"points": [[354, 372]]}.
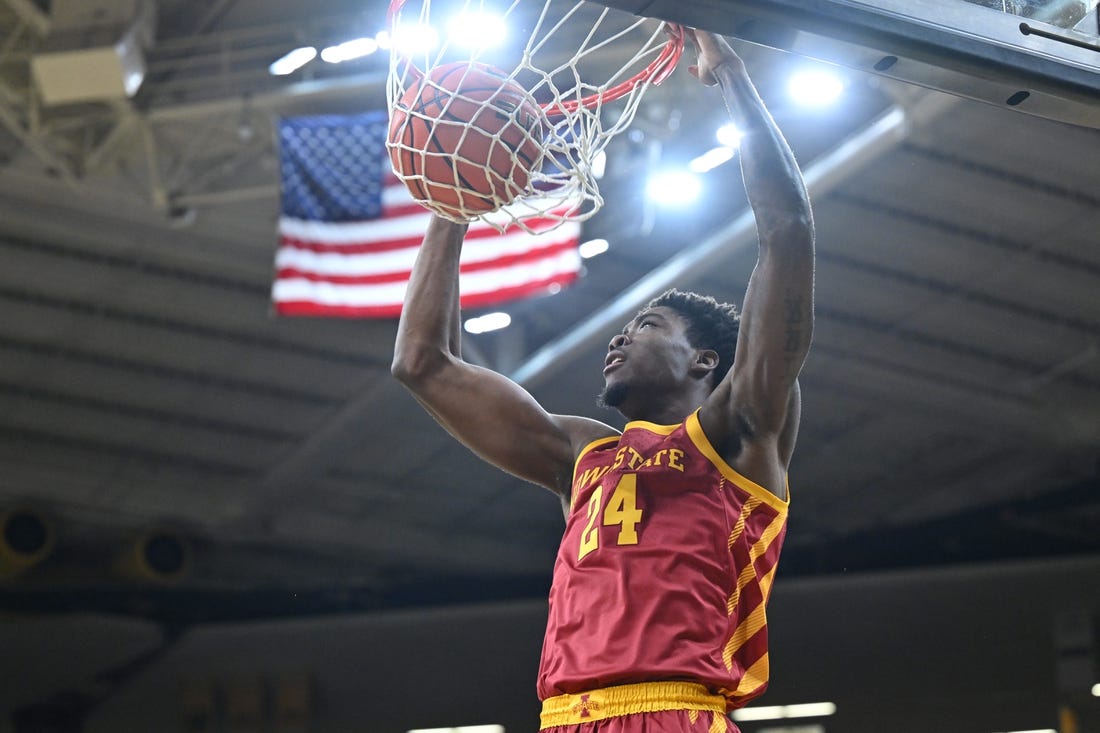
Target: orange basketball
{"points": [[464, 138]]}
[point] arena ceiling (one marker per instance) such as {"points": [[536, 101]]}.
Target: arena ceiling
{"points": [[951, 400]]}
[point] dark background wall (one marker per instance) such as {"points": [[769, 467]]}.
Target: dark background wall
{"points": [[970, 649]]}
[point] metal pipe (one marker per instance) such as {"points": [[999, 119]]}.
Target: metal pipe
{"points": [[30, 14], [299, 93]]}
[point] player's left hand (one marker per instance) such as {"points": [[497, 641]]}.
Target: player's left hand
{"points": [[713, 51]]}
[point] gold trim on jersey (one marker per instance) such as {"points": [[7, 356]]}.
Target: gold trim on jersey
{"points": [[644, 697], [591, 447], [577, 463], [651, 427], [699, 438]]}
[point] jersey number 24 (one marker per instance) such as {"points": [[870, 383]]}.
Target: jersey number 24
{"points": [[622, 510]]}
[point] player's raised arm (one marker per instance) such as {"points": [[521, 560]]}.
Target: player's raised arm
{"points": [[758, 401], [492, 415]]}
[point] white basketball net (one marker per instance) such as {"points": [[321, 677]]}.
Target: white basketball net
{"points": [[587, 67]]}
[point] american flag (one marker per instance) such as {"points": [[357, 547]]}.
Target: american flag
{"points": [[349, 230]]}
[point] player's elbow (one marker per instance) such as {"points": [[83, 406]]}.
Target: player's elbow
{"points": [[791, 230], [414, 365]]}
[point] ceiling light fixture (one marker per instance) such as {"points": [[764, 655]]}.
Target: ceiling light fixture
{"points": [[413, 39], [593, 247], [477, 30], [711, 159], [599, 164], [292, 61], [488, 322], [815, 87], [779, 712], [348, 50], [728, 135], [461, 729], [674, 188]]}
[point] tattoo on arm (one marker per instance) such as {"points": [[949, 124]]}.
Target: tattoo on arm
{"points": [[794, 325]]}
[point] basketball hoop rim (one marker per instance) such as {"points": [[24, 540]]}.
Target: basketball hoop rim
{"points": [[655, 72]]}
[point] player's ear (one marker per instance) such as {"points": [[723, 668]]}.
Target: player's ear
{"points": [[706, 361]]}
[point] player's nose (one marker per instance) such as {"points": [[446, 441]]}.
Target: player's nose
{"points": [[617, 341]]}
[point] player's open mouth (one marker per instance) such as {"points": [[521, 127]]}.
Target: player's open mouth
{"points": [[613, 360]]}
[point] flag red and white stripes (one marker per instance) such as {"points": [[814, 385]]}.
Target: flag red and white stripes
{"points": [[361, 268]]}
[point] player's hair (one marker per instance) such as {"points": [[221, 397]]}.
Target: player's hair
{"points": [[711, 325]]}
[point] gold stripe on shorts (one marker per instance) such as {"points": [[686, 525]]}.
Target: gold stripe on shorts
{"points": [[645, 697]]}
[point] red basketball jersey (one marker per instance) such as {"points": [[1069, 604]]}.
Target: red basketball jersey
{"points": [[664, 570]]}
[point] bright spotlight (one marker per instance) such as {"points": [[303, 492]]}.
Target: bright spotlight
{"points": [[488, 322], [815, 87], [462, 729], [476, 30], [778, 712], [292, 61], [132, 82], [711, 159], [674, 188], [599, 164], [414, 39], [348, 50], [728, 135], [593, 247]]}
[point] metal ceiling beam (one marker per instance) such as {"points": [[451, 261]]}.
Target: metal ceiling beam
{"points": [[10, 118], [10, 42], [110, 220], [349, 87], [158, 192], [228, 197], [109, 147], [30, 14], [883, 134], [297, 465], [1035, 421]]}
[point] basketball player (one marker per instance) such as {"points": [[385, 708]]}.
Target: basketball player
{"points": [[673, 527]]}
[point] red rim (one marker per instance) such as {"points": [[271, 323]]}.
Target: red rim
{"points": [[658, 70]]}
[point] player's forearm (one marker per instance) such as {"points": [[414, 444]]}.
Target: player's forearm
{"points": [[430, 319], [773, 180]]}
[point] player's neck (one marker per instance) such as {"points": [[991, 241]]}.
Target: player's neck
{"points": [[667, 413]]}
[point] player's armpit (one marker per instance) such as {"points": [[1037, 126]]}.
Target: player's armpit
{"points": [[500, 421]]}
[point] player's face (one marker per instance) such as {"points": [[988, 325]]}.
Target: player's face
{"points": [[650, 357]]}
